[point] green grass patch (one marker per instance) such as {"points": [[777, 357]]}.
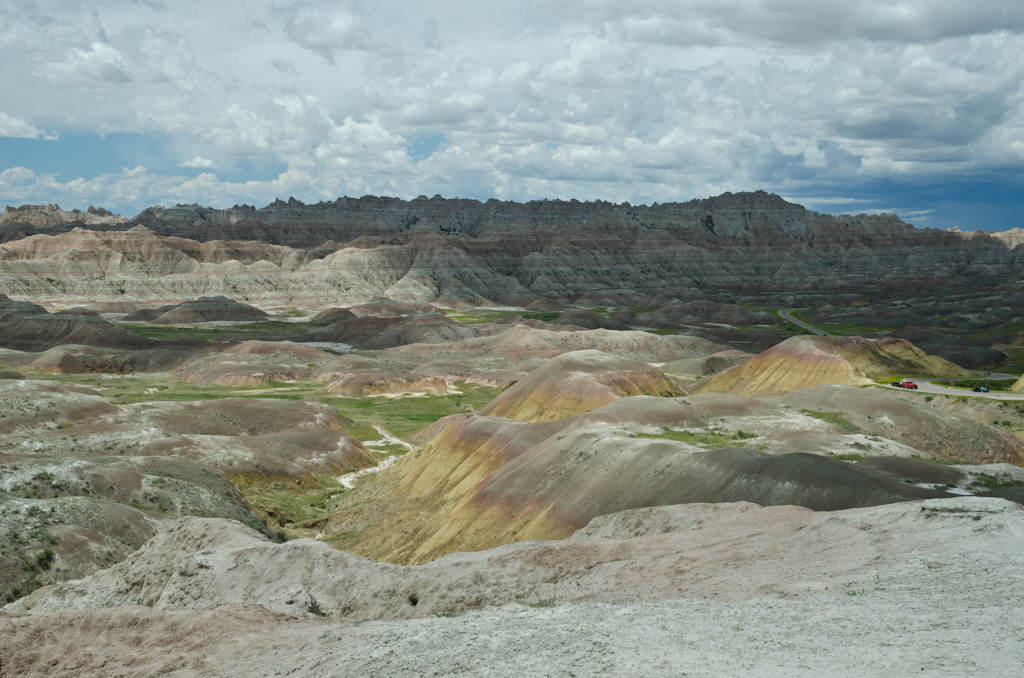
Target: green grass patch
{"points": [[1009, 328], [402, 416], [406, 416], [213, 333], [284, 503], [848, 330], [945, 462], [757, 308], [991, 482], [491, 315], [543, 602], [835, 418], [848, 456], [709, 439], [449, 613], [1016, 368], [992, 384]]}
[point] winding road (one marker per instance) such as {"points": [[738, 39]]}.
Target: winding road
{"points": [[925, 385], [785, 315]]}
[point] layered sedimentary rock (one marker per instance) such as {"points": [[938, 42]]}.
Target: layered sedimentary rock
{"points": [[576, 383], [53, 215], [350, 251], [800, 362], [482, 481], [201, 310], [27, 326]]}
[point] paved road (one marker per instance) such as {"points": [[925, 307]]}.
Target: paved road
{"points": [[923, 385], [785, 315], [928, 386]]}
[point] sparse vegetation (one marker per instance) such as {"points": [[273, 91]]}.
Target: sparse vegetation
{"points": [[705, 438], [44, 559], [992, 384], [213, 333], [449, 613], [543, 602], [933, 460], [996, 482], [486, 315], [835, 418]]}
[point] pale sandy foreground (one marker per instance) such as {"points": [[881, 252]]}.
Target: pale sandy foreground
{"points": [[931, 588]]}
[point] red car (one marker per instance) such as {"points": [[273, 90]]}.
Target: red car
{"points": [[905, 383]]}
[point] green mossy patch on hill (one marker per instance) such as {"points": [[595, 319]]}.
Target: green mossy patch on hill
{"points": [[213, 333], [835, 418], [707, 439], [486, 315]]}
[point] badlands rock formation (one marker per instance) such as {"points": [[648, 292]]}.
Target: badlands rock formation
{"points": [[201, 310], [350, 251], [53, 215], [576, 383], [574, 439], [28, 326], [715, 591], [800, 362]]}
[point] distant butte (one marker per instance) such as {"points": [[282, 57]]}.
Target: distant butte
{"points": [[351, 251]]}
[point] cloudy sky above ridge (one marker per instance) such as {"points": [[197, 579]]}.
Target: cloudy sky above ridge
{"points": [[912, 106]]}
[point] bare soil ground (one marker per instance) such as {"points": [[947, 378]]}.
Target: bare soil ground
{"points": [[930, 588]]}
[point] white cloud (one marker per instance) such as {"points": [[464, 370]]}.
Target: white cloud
{"points": [[11, 126], [795, 22], [198, 162], [99, 66], [646, 100], [326, 27]]}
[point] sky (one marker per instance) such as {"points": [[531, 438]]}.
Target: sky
{"points": [[907, 106]]}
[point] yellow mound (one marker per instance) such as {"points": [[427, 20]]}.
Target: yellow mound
{"points": [[576, 383], [800, 362], [441, 497]]}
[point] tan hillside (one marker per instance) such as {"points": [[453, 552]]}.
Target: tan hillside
{"points": [[578, 382], [800, 362], [486, 481]]}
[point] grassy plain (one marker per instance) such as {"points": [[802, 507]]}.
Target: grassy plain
{"points": [[213, 333], [286, 503]]}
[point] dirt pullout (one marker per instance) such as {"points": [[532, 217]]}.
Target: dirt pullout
{"points": [[938, 434], [576, 383], [801, 362], [649, 555]]}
